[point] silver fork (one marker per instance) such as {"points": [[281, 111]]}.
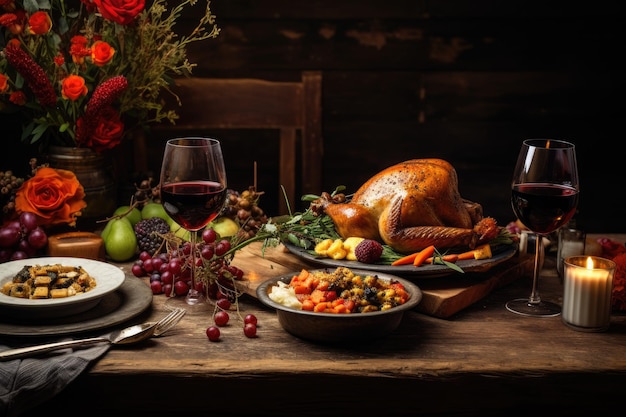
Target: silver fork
{"points": [[169, 321]]}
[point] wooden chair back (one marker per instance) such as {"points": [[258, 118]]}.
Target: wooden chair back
{"points": [[293, 108]]}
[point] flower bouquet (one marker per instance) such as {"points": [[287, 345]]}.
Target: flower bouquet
{"points": [[83, 73]]}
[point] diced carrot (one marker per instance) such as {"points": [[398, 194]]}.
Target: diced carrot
{"points": [[339, 309], [308, 305], [320, 307], [301, 289], [337, 301], [423, 254]]}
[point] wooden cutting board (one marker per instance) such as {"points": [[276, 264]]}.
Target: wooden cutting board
{"points": [[442, 297]]}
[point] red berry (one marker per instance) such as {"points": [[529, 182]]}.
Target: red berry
{"points": [[250, 318], [222, 247], [181, 288], [156, 287], [368, 251], [138, 271], [223, 303], [213, 333], [221, 318], [249, 330], [209, 235], [175, 266]]}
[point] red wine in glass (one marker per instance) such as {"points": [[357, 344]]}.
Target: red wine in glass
{"points": [[193, 204], [193, 192], [544, 197], [543, 208]]}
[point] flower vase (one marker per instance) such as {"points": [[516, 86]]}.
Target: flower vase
{"points": [[96, 173]]}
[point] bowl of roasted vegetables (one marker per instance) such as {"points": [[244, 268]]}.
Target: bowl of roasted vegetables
{"points": [[339, 304]]}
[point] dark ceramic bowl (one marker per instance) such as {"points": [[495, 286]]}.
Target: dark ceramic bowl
{"points": [[328, 327]]}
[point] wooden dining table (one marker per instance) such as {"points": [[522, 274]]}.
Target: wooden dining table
{"points": [[481, 360]]}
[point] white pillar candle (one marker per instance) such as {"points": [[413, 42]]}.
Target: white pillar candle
{"points": [[588, 285]]}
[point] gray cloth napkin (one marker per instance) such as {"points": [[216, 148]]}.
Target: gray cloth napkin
{"points": [[26, 383]]}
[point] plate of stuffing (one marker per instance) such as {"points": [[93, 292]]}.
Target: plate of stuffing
{"points": [[52, 287]]}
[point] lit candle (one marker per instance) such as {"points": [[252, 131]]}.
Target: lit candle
{"points": [[588, 285]]}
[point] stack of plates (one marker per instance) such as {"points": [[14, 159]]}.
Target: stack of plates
{"points": [[114, 300]]}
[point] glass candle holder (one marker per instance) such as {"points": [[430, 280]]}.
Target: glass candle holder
{"points": [[587, 291], [571, 242]]}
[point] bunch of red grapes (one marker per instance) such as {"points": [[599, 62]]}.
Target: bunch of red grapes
{"points": [[22, 238], [170, 274]]}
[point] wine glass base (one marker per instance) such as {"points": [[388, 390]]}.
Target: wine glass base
{"points": [[541, 309], [192, 306]]}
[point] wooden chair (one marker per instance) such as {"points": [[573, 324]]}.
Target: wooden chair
{"points": [[293, 108]]}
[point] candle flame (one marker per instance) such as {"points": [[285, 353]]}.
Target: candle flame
{"points": [[548, 144], [589, 263]]}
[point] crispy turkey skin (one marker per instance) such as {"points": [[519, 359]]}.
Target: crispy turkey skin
{"points": [[412, 205]]}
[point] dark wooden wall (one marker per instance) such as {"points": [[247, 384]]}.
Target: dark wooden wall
{"points": [[464, 81]]}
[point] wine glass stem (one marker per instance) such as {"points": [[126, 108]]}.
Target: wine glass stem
{"points": [[534, 295], [193, 296]]}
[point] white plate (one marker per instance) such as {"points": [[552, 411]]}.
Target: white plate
{"points": [[108, 279]]}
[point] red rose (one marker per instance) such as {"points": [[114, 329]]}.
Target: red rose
{"points": [[4, 83], [18, 98], [108, 132], [120, 11], [39, 23], [89, 5], [54, 195]]}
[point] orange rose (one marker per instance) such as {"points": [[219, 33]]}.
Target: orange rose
{"points": [[54, 195], [120, 11], [39, 23], [101, 53], [73, 87], [4, 83]]}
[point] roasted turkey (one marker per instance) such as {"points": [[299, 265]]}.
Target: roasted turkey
{"points": [[410, 206]]}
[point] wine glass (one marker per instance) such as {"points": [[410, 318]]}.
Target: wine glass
{"points": [[193, 192], [544, 198]]}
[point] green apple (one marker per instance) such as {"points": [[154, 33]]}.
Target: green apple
{"points": [[155, 210], [120, 241], [133, 215], [180, 231], [224, 226]]}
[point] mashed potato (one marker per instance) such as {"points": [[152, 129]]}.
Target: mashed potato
{"points": [[285, 295]]}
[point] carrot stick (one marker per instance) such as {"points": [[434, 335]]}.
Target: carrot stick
{"points": [[423, 254], [406, 260], [452, 257], [466, 255]]}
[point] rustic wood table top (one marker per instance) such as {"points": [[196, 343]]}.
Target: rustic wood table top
{"points": [[482, 360]]}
